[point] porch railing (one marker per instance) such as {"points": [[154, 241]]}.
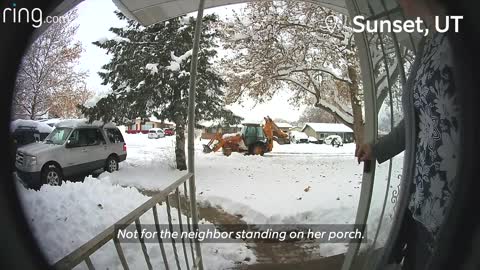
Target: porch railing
{"points": [[83, 254], [191, 259]]}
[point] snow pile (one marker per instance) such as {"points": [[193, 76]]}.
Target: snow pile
{"points": [[64, 218], [40, 126]]}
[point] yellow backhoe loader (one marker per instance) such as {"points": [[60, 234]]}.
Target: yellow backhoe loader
{"points": [[253, 139]]}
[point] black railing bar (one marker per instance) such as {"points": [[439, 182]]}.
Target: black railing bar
{"points": [[169, 215], [89, 264], [160, 241], [138, 226], [197, 263], [180, 224], [120, 253]]}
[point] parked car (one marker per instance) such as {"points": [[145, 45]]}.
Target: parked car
{"points": [[169, 132], [51, 122], [73, 149], [28, 131], [155, 133], [298, 137], [333, 140], [313, 140]]}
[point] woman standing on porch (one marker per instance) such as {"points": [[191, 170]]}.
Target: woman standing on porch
{"points": [[430, 136]]}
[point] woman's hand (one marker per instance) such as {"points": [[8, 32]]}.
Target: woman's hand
{"points": [[364, 152]]}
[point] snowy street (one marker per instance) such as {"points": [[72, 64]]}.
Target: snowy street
{"points": [[294, 184]]}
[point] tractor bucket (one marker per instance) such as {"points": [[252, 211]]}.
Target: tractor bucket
{"points": [[206, 149]]}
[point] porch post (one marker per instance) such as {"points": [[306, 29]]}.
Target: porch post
{"points": [[191, 128], [368, 78]]}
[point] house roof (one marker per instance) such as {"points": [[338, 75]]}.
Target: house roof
{"points": [[284, 125], [208, 124], [156, 120], [328, 127]]}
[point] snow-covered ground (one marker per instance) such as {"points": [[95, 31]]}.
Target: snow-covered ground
{"points": [[64, 218], [294, 184]]}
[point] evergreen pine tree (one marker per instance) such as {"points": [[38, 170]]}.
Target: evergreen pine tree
{"points": [[149, 75]]}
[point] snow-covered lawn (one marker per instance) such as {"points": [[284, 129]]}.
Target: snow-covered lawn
{"points": [[294, 184]]}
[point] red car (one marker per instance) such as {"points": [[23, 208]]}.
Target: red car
{"points": [[169, 132]]}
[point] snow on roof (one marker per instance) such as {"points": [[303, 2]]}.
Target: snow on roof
{"points": [[156, 120], [328, 127], [152, 119], [252, 122], [284, 125], [208, 124], [42, 127], [74, 123], [298, 135]]}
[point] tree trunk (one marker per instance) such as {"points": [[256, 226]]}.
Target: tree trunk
{"points": [[358, 125], [33, 108], [180, 156]]}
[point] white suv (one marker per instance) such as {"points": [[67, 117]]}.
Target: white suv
{"points": [[155, 133], [73, 149]]}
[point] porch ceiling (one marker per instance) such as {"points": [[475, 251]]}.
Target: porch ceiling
{"points": [[148, 12], [152, 11]]}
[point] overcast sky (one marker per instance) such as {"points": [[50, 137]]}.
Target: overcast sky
{"points": [[96, 17]]}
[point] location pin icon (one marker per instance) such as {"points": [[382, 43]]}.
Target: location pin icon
{"points": [[331, 23]]}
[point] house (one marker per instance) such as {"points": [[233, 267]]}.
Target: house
{"points": [[285, 127], [322, 130], [143, 125], [210, 128]]}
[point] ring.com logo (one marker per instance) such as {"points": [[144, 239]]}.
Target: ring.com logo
{"points": [[34, 16]]}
